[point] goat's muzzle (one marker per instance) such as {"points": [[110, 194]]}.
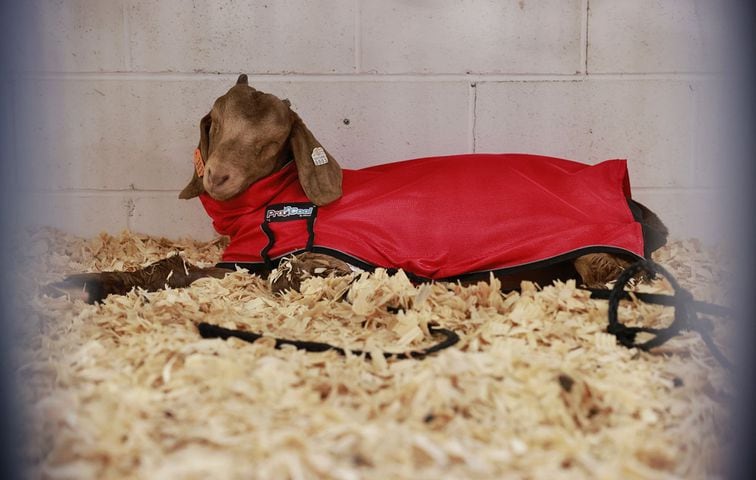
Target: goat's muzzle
{"points": [[215, 179], [221, 183]]}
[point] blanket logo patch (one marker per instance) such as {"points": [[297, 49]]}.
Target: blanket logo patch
{"points": [[291, 211]]}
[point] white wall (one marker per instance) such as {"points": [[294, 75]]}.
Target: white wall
{"points": [[124, 84]]}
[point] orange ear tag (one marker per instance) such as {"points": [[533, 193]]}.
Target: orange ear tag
{"points": [[199, 164]]}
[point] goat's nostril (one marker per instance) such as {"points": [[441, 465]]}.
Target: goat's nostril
{"points": [[216, 180]]}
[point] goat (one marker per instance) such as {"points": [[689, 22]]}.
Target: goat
{"points": [[251, 141]]}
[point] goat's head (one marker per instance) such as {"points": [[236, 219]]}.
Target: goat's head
{"points": [[250, 134]]}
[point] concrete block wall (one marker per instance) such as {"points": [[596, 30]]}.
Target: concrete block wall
{"points": [[123, 84]]}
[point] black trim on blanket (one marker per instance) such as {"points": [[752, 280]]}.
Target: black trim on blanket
{"points": [[553, 268]]}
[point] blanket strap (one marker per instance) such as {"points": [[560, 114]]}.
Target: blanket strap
{"points": [[286, 212], [686, 318], [208, 330], [686, 312]]}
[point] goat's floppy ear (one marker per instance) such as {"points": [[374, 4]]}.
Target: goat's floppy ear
{"points": [[319, 174], [195, 187]]}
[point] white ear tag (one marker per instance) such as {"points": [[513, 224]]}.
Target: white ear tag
{"points": [[319, 156]]}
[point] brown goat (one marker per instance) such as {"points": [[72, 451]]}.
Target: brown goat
{"points": [[249, 135]]}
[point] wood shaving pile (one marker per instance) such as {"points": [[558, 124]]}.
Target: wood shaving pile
{"points": [[535, 388]]}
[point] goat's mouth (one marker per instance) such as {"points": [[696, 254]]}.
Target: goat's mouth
{"points": [[229, 190], [226, 191]]}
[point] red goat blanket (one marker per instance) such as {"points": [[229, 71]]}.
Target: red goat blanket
{"points": [[439, 217]]}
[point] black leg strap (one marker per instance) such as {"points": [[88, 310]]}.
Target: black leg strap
{"points": [[208, 330], [686, 317], [686, 312]]}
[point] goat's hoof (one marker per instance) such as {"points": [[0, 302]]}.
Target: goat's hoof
{"points": [[598, 269], [293, 270], [86, 287]]}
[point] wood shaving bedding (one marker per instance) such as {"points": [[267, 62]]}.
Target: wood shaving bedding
{"points": [[535, 389]]}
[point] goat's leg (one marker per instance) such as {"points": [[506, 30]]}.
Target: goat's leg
{"points": [[174, 272], [291, 271], [596, 269]]}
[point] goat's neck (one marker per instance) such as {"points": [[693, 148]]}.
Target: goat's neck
{"points": [[285, 156]]}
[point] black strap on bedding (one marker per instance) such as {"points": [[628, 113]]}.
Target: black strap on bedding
{"points": [[686, 318], [686, 312], [208, 330]]}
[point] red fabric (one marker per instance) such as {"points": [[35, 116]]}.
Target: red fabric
{"points": [[442, 217]]}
